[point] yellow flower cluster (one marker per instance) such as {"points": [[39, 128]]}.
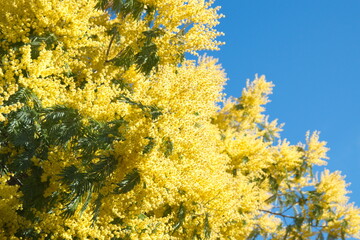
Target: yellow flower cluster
{"points": [[316, 150], [343, 215], [10, 203], [334, 188], [206, 171], [245, 113], [185, 26]]}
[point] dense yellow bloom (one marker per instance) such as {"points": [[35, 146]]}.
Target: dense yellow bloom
{"points": [[9, 204], [316, 150], [179, 165], [245, 112], [334, 188]]}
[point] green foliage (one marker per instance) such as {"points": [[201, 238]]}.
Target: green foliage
{"points": [[146, 59], [254, 234], [180, 217], [207, 228], [98, 136], [35, 130], [49, 39], [124, 7], [60, 119], [26, 96], [128, 183], [168, 147], [126, 58], [149, 146], [33, 191], [150, 111], [167, 211]]}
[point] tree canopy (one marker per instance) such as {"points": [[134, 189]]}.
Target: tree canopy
{"points": [[107, 131]]}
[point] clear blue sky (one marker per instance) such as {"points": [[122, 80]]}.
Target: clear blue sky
{"points": [[310, 49]]}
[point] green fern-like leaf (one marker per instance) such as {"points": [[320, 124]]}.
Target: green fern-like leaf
{"points": [[149, 146], [60, 124], [207, 228], [180, 217], [128, 183]]}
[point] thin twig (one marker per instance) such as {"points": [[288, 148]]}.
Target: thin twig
{"points": [[278, 214], [109, 47]]}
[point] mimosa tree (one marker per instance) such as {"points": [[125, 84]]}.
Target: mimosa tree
{"points": [[107, 131]]}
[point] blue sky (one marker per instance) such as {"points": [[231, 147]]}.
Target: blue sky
{"points": [[311, 51]]}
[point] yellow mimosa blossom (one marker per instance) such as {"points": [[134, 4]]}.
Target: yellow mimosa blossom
{"points": [[109, 132]]}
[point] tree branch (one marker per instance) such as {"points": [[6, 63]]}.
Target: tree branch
{"points": [[278, 214]]}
